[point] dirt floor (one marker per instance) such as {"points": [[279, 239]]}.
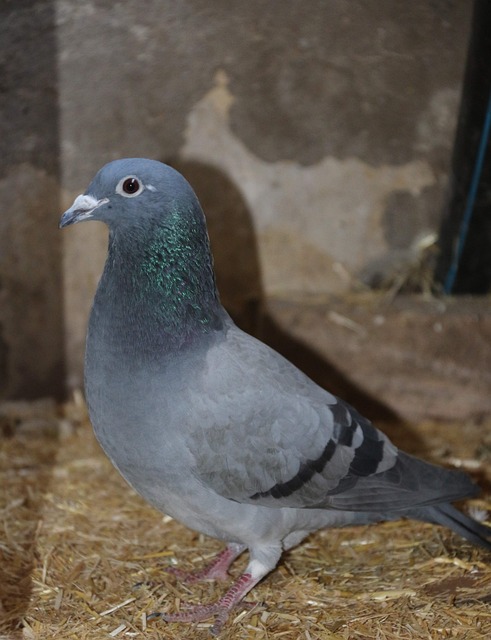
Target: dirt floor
{"points": [[75, 542]]}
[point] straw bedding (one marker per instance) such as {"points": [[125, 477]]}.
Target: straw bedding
{"points": [[83, 555]]}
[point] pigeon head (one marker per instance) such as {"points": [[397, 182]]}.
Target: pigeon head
{"points": [[131, 192], [159, 269]]}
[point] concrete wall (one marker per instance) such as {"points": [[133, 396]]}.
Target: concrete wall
{"points": [[31, 285], [317, 134]]}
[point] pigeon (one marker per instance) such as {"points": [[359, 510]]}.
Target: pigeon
{"points": [[210, 425]]}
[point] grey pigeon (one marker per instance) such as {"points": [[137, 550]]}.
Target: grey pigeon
{"points": [[210, 425]]}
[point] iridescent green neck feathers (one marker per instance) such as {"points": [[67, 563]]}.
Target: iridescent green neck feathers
{"points": [[159, 278]]}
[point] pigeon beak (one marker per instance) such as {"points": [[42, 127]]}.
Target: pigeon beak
{"points": [[81, 209]]}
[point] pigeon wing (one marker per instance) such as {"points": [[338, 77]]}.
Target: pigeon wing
{"points": [[268, 435]]}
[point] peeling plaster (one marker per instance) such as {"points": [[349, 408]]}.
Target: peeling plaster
{"points": [[313, 223]]}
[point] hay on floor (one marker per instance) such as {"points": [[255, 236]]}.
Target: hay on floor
{"points": [[76, 542]]}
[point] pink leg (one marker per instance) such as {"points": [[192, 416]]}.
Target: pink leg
{"points": [[216, 570], [220, 609], [262, 560]]}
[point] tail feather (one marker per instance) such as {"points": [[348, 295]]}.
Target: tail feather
{"points": [[448, 516]]}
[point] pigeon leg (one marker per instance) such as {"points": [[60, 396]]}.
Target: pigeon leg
{"points": [[220, 609], [216, 570], [261, 563]]}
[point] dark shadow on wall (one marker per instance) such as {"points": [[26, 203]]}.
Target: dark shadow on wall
{"points": [[237, 266], [473, 271], [31, 306]]}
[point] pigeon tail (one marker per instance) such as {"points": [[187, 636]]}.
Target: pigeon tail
{"points": [[448, 516]]}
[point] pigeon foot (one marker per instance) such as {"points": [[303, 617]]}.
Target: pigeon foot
{"points": [[220, 609]]}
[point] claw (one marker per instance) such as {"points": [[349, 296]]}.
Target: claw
{"points": [[221, 609]]}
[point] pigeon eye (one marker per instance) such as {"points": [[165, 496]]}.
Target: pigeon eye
{"points": [[129, 187]]}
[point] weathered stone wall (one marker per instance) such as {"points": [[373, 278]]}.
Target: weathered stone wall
{"points": [[317, 134]]}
